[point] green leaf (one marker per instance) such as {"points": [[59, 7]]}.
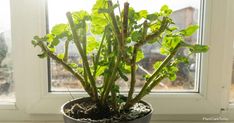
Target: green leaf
{"points": [[122, 75], [59, 29], [199, 48], [169, 43], [189, 30], [103, 11], [140, 56], [98, 5], [98, 19], [61, 56], [155, 27], [73, 65], [127, 68], [108, 10], [146, 76], [173, 69], [42, 55], [55, 42], [101, 70], [131, 13], [52, 49], [80, 15], [165, 11], [164, 8], [98, 24], [50, 37], [157, 64], [172, 77], [34, 43], [152, 17], [91, 44], [183, 59], [143, 14], [136, 36], [164, 51], [116, 88]]}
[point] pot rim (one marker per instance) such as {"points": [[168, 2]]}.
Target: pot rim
{"points": [[64, 114]]}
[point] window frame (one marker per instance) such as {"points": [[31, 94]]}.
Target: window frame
{"points": [[28, 18]]}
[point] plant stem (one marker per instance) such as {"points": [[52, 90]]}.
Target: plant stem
{"points": [[116, 28], [113, 99], [98, 54], [140, 96], [111, 80], [67, 67], [66, 51], [125, 32], [162, 28], [133, 74], [83, 55], [163, 64], [144, 90], [84, 42]]}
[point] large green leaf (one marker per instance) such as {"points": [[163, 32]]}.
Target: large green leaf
{"points": [[99, 20], [143, 13], [80, 15], [92, 44], [152, 17], [190, 30], [59, 29]]}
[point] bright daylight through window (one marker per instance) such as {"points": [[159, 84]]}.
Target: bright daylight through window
{"points": [[6, 81], [186, 12]]}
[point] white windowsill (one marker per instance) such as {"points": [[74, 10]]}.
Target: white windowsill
{"points": [[7, 106]]}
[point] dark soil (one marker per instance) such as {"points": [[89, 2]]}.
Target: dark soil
{"points": [[90, 111]]}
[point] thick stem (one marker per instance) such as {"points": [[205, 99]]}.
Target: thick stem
{"points": [[111, 79], [113, 99], [115, 27], [145, 29], [83, 55], [66, 51], [163, 64], [125, 32], [133, 74], [140, 96], [84, 42]]}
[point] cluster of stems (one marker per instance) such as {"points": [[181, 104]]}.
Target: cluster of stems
{"points": [[121, 34]]}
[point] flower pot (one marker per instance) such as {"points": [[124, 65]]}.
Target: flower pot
{"points": [[68, 119]]}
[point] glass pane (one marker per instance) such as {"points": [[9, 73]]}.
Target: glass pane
{"points": [[6, 81], [186, 12]]}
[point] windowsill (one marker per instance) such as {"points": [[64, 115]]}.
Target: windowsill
{"points": [[5, 105]]}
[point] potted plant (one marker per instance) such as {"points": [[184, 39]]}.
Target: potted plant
{"points": [[109, 47]]}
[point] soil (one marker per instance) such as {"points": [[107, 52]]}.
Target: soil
{"points": [[89, 111]]}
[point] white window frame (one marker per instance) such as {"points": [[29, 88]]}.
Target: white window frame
{"points": [[28, 18]]}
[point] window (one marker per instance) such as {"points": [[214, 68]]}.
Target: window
{"points": [[28, 18], [6, 71], [186, 12]]}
